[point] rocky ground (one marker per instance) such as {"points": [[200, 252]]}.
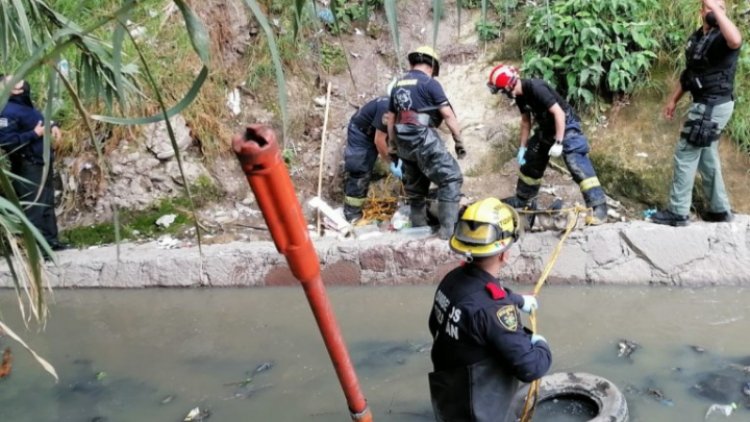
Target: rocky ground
{"points": [[144, 169]]}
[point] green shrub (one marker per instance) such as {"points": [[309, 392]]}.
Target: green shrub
{"points": [[588, 48], [347, 12], [333, 58], [487, 30]]}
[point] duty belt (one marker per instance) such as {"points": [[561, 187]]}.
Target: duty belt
{"points": [[411, 117], [712, 100]]}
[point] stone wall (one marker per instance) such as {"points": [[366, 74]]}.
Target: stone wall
{"points": [[623, 253]]}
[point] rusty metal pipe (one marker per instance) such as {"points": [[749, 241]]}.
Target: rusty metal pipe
{"points": [[266, 172]]}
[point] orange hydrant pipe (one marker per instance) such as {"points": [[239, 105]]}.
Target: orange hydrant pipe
{"points": [[260, 157]]}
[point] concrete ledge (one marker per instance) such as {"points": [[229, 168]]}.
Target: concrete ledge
{"points": [[637, 253]]}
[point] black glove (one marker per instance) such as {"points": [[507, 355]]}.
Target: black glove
{"points": [[460, 151]]}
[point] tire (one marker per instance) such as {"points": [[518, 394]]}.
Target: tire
{"points": [[611, 403]]}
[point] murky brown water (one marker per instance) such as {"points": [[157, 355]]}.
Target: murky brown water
{"points": [[147, 345]]}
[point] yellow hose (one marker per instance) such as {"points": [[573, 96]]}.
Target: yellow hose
{"points": [[533, 394]]}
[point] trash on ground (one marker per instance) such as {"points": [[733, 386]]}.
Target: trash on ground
{"points": [[400, 219], [166, 220], [168, 242], [641, 155], [234, 101], [335, 219], [649, 212]]}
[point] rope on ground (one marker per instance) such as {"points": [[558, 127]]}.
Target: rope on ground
{"points": [[381, 204], [533, 394]]}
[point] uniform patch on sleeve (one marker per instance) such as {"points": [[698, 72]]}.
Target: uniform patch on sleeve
{"points": [[3, 122], [508, 318], [496, 292]]}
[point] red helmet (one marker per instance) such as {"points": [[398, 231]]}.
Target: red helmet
{"points": [[503, 77]]}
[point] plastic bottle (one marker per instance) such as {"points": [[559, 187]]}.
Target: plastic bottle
{"points": [[721, 409]]}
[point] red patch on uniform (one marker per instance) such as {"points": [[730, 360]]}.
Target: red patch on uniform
{"points": [[495, 291]]}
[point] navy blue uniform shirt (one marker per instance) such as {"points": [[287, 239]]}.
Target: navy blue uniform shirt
{"points": [[417, 91], [474, 318], [371, 116], [17, 122]]}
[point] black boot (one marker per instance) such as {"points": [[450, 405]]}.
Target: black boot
{"points": [[718, 217], [448, 216], [352, 213], [523, 205], [598, 215], [418, 212], [669, 218]]}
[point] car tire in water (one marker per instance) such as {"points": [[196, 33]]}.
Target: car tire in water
{"points": [[611, 404]]}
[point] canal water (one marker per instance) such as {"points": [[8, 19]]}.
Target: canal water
{"points": [[256, 355]]}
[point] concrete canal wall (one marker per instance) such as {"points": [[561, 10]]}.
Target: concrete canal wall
{"points": [[632, 253]]}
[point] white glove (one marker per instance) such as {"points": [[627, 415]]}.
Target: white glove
{"points": [[556, 149], [536, 337], [529, 304]]}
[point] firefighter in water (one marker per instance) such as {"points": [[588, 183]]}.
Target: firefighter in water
{"points": [[480, 348]]}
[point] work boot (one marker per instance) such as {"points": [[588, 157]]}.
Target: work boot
{"points": [[523, 205], [718, 217], [669, 218], [418, 213], [598, 215], [448, 216], [352, 213]]}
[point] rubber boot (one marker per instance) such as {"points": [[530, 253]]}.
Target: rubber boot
{"points": [[418, 212], [352, 213], [598, 215], [448, 216]]}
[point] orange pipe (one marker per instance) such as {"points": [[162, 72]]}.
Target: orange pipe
{"points": [[260, 157]]}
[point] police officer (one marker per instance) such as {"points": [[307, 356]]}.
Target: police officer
{"points": [[22, 138], [417, 106], [558, 132], [366, 138], [480, 349], [711, 62]]}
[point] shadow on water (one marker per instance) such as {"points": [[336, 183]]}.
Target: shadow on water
{"points": [[256, 354]]}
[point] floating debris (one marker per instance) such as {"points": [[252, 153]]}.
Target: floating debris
{"points": [[197, 415], [697, 349], [721, 409], [657, 395], [625, 348], [6, 365], [263, 367], [167, 400], [746, 389]]}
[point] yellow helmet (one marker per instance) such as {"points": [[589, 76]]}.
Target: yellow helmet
{"points": [[487, 227], [426, 54]]}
